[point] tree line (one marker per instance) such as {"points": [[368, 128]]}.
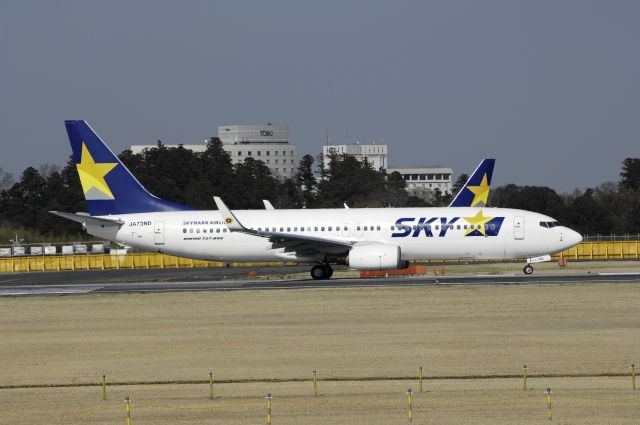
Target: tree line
{"points": [[193, 178]]}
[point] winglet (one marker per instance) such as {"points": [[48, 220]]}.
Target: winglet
{"points": [[228, 217], [267, 205], [475, 191]]}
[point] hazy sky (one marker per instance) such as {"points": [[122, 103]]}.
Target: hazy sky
{"points": [[549, 88]]}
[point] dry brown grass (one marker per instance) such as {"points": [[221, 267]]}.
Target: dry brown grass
{"points": [[575, 401], [369, 332]]}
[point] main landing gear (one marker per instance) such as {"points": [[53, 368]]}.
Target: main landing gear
{"points": [[527, 269], [321, 271]]}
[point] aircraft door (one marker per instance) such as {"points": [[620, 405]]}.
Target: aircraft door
{"points": [[518, 227], [158, 232]]}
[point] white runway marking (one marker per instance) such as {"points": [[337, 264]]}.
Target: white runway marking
{"points": [[47, 290]]}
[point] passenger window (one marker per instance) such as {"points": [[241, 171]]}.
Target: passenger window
{"points": [[218, 230], [184, 230], [282, 229], [458, 227], [295, 229], [338, 228], [365, 228], [322, 228], [198, 230], [465, 227], [437, 227], [224, 230], [330, 228], [308, 228], [191, 230], [288, 229], [378, 228], [315, 228], [259, 229], [346, 227], [204, 230], [358, 228]]}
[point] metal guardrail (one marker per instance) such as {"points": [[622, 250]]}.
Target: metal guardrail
{"points": [[52, 249], [611, 238]]}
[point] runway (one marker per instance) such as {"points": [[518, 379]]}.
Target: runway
{"points": [[147, 281]]}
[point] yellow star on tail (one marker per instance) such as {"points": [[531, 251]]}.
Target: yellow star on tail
{"points": [[480, 220], [92, 175], [480, 193]]}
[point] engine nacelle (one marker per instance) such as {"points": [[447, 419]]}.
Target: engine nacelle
{"points": [[376, 257]]}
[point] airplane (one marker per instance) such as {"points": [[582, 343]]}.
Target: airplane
{"points": [[121, 210]]}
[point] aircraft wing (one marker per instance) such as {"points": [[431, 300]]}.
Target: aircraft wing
{"points": [[300, 243]]}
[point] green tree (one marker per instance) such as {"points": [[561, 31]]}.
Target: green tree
{"points": [[630, 174], [458, 184], [306, 181], [346, 179], [586, 215], [253, 182], [395, 190]]}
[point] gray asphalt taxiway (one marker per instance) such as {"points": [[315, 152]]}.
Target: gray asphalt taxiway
{"points": [[235, 279]]}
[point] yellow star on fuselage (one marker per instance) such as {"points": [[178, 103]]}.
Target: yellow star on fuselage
{"points": [[92, 175], [480, 193], [477, 222]]}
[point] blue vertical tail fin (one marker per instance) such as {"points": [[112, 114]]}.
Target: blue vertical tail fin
{"points": [[108, 186], [475, 192]]}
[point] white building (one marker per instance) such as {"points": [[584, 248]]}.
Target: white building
{"points": [[424, 180], [267, 143], [375, 154]]}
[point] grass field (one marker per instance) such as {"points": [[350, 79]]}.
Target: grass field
{"points": [[586, 329]]}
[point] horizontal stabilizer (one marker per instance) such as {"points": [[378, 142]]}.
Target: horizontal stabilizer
{"points": [[87, 219]]}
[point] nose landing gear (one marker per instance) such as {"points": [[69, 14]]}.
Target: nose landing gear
{"points": [[527, 269], [321, 272]]}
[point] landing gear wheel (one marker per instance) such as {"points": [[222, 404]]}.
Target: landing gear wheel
{"points": [[329, 271], [527, 269], [323, 271]]}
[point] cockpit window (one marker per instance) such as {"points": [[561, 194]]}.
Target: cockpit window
{"points": [[550, 224]]}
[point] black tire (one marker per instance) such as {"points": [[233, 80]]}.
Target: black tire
{"points": [[318, 272], [527, 269], [329, 271]]}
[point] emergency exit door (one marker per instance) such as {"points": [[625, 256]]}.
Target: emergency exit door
{"points": [[518, 227]]}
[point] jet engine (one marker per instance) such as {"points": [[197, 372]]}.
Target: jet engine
{"points": [[376, 257]]}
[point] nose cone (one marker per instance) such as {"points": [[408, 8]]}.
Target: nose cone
{"points": [[571, 238]]}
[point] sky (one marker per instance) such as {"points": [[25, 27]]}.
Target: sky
{"points": [[549, 88]]}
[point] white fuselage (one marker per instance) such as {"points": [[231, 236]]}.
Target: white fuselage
{"points": [[421, 233]]}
